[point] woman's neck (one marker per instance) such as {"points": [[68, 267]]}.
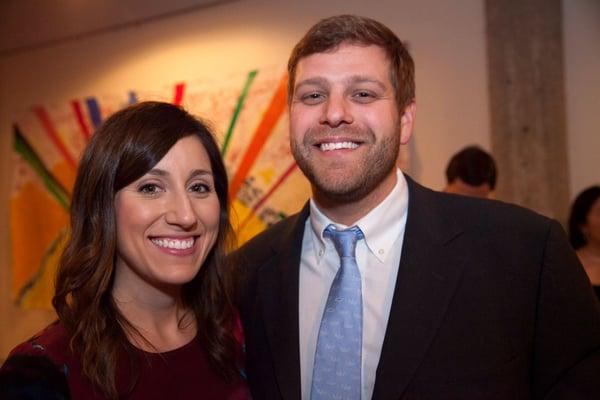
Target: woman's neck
{"points": [[158, 316]]}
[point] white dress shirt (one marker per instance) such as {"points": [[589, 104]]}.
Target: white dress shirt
{"points": [[378, 259]]}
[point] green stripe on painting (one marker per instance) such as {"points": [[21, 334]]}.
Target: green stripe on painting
{"points": [[22, 147], [42, 268], [238, 109]]}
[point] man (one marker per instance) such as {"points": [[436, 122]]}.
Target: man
{"points": [[457, 298], [471, 172]]}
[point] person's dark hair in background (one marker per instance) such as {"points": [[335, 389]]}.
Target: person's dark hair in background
{"points": [[30, 377], [584, 232], [471, 172], [579, 212]]}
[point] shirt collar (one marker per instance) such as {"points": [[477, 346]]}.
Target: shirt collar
{"points": [[381, 226]]}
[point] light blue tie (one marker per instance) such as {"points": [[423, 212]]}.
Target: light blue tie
{"points": [[336, 373]]}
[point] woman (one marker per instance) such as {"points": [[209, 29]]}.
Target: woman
{"points": [[584, 232], [143, 292]]}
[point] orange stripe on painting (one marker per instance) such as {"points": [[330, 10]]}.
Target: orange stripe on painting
{"points": [[262, 133], [85, 130], [178, 98], [44, 118]]}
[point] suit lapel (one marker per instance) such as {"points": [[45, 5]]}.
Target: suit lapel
{"points": [[430, 268], [278, 288]]}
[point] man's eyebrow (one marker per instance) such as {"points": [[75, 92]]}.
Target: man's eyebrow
{"points": [[317, 81], [353, 79], [365, 79]]}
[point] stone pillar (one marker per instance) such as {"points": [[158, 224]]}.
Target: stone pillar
{"points": [[527, 103]]}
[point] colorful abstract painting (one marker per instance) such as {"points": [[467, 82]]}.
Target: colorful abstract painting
{"points": [[248, 112]]}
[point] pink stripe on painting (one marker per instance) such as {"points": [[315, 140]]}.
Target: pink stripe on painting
{"points": [[85, 130], [44, 118]]}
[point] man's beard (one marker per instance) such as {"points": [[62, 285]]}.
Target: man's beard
{"points": [[353, 182]]}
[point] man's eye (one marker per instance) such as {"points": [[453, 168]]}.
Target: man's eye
{"points": [[312, 98], [364, 96]]}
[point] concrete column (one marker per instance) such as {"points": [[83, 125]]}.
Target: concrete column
{"points": [[527, 100]]}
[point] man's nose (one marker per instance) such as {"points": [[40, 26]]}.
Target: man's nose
{"points": [[336, 111]]}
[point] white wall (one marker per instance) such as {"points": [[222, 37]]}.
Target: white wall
{"points": [[447, 40], [581, 27]]}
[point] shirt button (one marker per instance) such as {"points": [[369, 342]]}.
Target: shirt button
{"points": [[320, 252], [381, 251]]}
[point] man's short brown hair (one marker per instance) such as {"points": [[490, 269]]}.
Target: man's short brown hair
{"points": [[328, 34]]}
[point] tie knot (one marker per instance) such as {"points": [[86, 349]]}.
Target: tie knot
{"points": [[344, 240]]}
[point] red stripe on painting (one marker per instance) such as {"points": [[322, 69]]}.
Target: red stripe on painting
{"points": [[44, 118], [275, 186], [85, 130], [262, 133], [278, 183], [178, 98]]}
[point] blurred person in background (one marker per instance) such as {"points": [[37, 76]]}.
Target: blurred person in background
{"points": [[471, 172], [584, 232]]}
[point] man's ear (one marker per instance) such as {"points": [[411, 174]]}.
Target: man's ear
{"points": [[407, 121]]}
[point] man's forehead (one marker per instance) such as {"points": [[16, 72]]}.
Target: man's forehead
{"points": [[346, 48], [348, 62]]}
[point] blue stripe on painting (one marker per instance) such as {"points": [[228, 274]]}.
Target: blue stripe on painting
{"points": [[132, 97], [94, 111]]}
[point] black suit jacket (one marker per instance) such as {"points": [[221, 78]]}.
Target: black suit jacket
{"points": [[490, 303]]}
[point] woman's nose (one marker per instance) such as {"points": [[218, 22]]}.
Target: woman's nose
{"points": [[181, 211]]}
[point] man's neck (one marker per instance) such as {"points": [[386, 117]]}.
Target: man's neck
{"points": [[349, 213]]}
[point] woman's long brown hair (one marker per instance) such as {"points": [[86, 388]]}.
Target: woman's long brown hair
{"points": [[129, 144]]}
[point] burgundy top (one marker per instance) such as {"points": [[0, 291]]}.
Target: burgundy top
{"points": [[183, 373]]}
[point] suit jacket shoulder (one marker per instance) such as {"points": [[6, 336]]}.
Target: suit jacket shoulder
{"points": [[507, 226], [51, 342], [280, 236]]}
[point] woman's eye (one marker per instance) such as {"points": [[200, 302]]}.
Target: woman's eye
{"points": [[149, 188], [200, 188]]}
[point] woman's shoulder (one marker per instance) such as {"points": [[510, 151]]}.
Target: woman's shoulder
{"points": [[52, 342], [37, 368]]}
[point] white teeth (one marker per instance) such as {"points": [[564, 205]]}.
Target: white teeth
{"points": [[174, 243], [338, 145]]}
